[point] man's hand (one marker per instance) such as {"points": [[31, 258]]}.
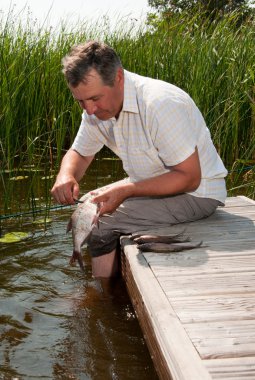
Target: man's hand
{"points": [[73, 167], [65, 189], [111, 198]]}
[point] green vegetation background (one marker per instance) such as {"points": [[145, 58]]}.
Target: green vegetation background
{"points": [[213, 60]]}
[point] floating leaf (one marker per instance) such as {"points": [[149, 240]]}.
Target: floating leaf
{"points": [[48, 177], [42, 221], [13, 237], [8, 171], [111, 159], [18, 178]]}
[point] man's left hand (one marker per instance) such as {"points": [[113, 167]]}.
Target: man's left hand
{"points": [[110, 199]]}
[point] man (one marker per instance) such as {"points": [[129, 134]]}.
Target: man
{"points": [[175, 173]]}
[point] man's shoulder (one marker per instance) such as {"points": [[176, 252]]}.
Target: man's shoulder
{"points": [[154, 89]]}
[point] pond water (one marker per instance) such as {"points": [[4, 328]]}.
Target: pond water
{"points": [[56, 322]]}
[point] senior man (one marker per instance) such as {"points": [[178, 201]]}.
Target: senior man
{"points": [[175, 174]]}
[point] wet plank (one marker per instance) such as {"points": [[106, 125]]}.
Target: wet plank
{"points": [[215, 308], [231, 368], [197, 308], [221, 339]]}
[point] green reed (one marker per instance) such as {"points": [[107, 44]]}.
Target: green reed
{"points": [[213, 61]]}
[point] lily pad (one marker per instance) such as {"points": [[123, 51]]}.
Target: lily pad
{"points": [[42, 221], [111, 159], [13, 237], [48, 177], [18, 178]]}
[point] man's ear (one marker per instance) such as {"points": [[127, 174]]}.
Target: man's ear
{"points": [[120, 76]]}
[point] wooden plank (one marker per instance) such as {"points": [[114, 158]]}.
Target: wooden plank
{"points": [[226, 215], [204, 284], [239, 200], [219, 339], [180, 355], [232, 368], [246, 199], [201, 228], [244, 210], [234, 201], [183, 263], [195, 257], [215, 308]]}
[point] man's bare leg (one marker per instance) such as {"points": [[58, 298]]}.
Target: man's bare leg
{"points": [[105, 266]]}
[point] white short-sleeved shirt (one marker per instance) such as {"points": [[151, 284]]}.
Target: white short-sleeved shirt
{"points": [[159, 127]]}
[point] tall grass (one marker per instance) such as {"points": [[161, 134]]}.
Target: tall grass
{"points": [[214, 62]]}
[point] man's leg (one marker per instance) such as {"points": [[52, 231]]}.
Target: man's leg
{"points": [[105, 266], [136, 214]]}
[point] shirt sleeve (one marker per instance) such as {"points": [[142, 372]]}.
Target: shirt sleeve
{"points": [[175, 131], [88, 140]]}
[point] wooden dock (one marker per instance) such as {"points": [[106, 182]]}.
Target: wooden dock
{"points": [[197, 308]]}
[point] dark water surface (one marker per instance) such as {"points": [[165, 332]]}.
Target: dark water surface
{"points": [[57, 323]]}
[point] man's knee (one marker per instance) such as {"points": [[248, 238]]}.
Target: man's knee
{"points": [[101, 243]]}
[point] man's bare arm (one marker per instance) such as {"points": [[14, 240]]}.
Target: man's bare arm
{"points": [[184, 177], [73, 168]]}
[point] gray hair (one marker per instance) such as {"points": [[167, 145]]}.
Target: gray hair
{"points": [[91, 55]]}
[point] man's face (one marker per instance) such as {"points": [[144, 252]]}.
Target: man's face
{"points": [[97, 98]]}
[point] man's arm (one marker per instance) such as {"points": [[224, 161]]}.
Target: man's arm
{"points": [[184, 177], [73, 168]]}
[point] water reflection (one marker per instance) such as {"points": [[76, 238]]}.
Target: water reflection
{"points": [[103, 337], [57, 323]]}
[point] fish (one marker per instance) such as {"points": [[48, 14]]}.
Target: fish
{"points": [[83, 220], [81, 223], [142, 239], [154, 233], [167, 247]]}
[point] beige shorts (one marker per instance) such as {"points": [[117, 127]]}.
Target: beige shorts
{"points": [[147, 213]]}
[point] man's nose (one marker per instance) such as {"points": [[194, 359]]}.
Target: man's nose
{"points": [[90, 107]]}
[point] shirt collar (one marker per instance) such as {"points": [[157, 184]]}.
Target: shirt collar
{"points": [[130, 97]]}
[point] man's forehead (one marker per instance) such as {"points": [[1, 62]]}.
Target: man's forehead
{"points": [[91, 77], [88, 90]]}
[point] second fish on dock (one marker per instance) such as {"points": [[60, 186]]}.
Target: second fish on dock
{"points": [[164, 243]]}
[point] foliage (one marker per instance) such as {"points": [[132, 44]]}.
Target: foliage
{"points": [[214, 61], [225, 6], [212, 9]]}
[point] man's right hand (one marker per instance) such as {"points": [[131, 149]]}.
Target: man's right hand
{"points": [[73, 167], [65, 189]]}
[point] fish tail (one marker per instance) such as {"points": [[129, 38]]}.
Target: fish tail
{"points": [[80, 261], [77, 256]]}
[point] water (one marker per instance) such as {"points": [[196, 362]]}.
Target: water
{"points": [[56, 322]]}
